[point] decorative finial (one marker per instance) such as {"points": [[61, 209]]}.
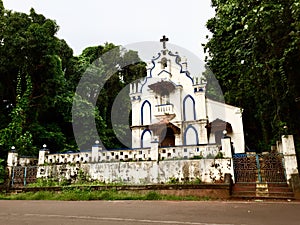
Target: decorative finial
{"points": [[164, 40]]}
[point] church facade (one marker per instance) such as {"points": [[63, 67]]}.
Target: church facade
{"points": [[170, 107]]}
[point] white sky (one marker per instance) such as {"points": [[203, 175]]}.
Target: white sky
{"points": [[85, 23]]}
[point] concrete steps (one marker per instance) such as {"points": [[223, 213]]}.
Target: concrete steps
{"points": [[262, 191]]}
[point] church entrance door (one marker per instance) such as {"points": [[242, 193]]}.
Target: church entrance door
{"points": [[168, 138]]}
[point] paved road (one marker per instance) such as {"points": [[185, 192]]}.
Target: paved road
{"points": [[148, 213]]}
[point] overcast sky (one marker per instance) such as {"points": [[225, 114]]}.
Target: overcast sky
{"points": [[85, 23]]}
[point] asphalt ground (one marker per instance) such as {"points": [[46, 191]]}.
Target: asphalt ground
{"points": [[23, 212]]}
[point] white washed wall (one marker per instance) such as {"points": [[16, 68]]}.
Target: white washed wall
{"points": [[231, 114], [207, 170]]}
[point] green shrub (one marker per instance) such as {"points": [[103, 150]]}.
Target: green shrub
{"points": [[152, 195], [210, 156], [173, 180], [76, 194], [219, 155], [197, 157], [45, 182]]}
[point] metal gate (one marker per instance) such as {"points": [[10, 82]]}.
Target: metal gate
{"points": [[259, 168], [23, 175]]}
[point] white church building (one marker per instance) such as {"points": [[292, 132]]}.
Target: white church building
{"points": [[170, 107]]}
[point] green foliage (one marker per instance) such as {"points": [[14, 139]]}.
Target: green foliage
{"points": [[197, 181], [173, 180], [210, 156], [152, 195], [16, 132], [77, 194], [39, 76], [32, 83], [254, 53], [219, 155], [42, 182], [113, 68], [197, 157], [194, 181], [82, 177], [2, 171]]}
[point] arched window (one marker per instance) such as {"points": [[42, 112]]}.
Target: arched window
{"points": [[146, 139], [189, 112], [146, 113], [191, 136]]}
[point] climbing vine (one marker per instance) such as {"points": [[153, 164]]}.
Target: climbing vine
{"points": [[16, 134]]}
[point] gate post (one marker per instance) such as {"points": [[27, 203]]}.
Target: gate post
{"points": [[12, 157], [226, 147], [25, 175], [12, 161], [12, 176], [227, 153], [289, 154], [258, 168], [42, 155], [95, 152]]}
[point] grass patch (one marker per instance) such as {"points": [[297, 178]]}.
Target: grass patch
{"points": [[77, 194], [51, 182]]}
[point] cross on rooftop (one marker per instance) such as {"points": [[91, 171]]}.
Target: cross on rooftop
{"points": [[164, 40]]}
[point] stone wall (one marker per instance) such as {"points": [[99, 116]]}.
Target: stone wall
{"points": [[145, 172], [137, 166]]}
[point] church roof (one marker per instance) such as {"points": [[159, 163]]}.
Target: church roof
{"points": [[219, 125], [162, 87]]}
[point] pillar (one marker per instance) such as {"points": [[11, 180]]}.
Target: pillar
{"points": [[95, 152], [12, 158], [289, 154], [154, 150], [227, 154], [226, 147], [200, 99], [203, 132], [178, 140], [42, 155]]}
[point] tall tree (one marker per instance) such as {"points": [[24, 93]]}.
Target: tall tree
{"points": [[38, 80], [254, 53], [30, 51], [122, 67]]}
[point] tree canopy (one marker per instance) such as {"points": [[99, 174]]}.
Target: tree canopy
{"points": [[38, 79], [254, 53]]}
